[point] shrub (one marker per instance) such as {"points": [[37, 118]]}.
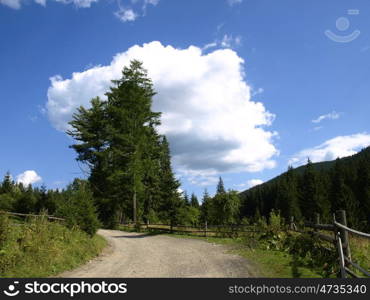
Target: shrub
{"points": [[38, 248], [79, 209], [6, 202]]}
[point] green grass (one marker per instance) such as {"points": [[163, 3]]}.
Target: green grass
{"points": [[38, 248], [360, 252]]}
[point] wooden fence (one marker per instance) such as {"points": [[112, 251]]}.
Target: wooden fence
{"points": [[52, 218], [340, 240], [205, 231]]}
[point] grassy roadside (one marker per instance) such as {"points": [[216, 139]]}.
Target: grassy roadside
{"points": [[38, 248]]}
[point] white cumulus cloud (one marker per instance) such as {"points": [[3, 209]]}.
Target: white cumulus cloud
{"points": [[339, 146], [208, 115], [330, 116], [28, 177]]}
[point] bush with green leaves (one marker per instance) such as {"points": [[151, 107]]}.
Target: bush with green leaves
{"points": [[6, 202]]}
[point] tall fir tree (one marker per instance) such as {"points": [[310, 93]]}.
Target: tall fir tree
{"points": [[220, 187], [118, 140], [194, 201], [205, 207], [171, 202]]}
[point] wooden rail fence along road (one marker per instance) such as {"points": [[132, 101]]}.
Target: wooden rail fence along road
{"points": [[31, 215], [340, 240]]}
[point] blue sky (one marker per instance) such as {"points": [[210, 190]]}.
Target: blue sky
{"points": [[302, 93]]}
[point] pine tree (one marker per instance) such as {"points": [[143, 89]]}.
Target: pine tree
{"points": [[220, 187], [363, 192], [341, 195], [171, 200], [7, 184], [205, 207], [309, 192], [186, 198], [194, 201]]}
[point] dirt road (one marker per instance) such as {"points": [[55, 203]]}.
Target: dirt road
{"points": [[140, 255]]}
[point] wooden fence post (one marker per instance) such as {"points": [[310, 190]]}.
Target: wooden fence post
{"points": [[317, 219], [341, 257], [343, 233], [205, 229]]}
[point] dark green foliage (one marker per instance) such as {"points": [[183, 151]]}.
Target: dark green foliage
{"points": [[224, 208], [78, 208], [129, 162], [220, 187], [186, 198], [205, 208], [171, 202], [194, 201], [7, 185], [316, 188], [26, 202], [6, 202]]}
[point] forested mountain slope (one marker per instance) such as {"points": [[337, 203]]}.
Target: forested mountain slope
{"points": [[316, 188]]}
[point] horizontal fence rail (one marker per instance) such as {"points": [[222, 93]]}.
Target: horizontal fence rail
{"points": [[363, 234], [340, 241], [31, 215], [222, 230]]}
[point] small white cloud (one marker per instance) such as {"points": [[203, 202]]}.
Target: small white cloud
{"points": [[28, 177], [15, 4], [234, 2], [340, 146], [257, 91], [210, 45], [78, 3], [151, 2], [249, 184], [126, 15], [253, 182], [330, 116], [130, 13], [228, 41], [41, 2]]}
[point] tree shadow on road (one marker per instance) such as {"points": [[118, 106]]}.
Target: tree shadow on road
{"points": [[138, 236]]}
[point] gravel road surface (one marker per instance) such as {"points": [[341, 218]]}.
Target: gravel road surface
{"points": [[140, 255]]}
